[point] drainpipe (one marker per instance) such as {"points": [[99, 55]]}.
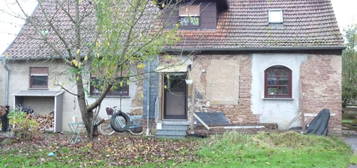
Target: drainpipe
{"points": [[148, 100], [7, 86], [7, 81]]}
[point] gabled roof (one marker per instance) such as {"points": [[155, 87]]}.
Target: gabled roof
{"points": [[29, 44], [309, 24]]}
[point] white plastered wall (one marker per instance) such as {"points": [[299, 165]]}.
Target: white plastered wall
{"points": [[59, 74], [284, 112], [2, 83]]}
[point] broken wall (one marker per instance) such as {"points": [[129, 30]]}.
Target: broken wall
{"points": [[321, 88], [222, 83]]}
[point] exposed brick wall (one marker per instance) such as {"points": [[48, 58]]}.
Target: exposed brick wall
{"points": [[241, 113], [321, 87], [237, 112]]}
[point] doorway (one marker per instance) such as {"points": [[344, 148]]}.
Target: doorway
{"points": [[175, 96]]}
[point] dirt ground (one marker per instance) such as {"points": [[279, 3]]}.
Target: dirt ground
{"points": [[121, 149]]}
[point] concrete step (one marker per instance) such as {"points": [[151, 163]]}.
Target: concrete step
{"points": [[175, 122], [174, 127], [170, 136], [171, 132]]}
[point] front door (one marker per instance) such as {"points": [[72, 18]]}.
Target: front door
{"points": [[175, 96]]}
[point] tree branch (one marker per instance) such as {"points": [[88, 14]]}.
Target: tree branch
{"points": [[99, 99], [65, 89]]}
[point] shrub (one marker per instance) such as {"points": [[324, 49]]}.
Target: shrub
{"points": [[23, 126]]}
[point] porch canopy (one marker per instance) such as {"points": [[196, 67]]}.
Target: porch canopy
{"points": [[179, 66], [57, 97]]}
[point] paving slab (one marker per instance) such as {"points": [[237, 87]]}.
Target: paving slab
{"points": [[352, 141]]}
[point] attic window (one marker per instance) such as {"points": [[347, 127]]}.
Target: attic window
{"points": [[275, 16], [189, 15]]}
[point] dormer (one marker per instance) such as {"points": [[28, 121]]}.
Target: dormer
{"points": [[194, 15]]}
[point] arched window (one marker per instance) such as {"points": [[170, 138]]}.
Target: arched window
{"points": [[278, 82]]}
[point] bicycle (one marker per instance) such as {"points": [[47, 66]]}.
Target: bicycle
{"points": [[104, 126]]}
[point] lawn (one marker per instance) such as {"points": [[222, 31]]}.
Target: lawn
{"points": [[271, 150]]}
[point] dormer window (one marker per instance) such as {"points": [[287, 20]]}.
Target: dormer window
{"points": [[189, 16], [192, 16], [275, 16]]}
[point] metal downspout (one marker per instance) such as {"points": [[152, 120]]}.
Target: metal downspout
{"points": [[7, 82], [148, 100]]}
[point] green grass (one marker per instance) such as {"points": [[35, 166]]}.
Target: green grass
{"points": [[39, 159], [272, 150], [347, 121], [354, 159], [264, 150]]}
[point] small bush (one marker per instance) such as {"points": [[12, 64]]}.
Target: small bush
{"points": [[24, 128]]}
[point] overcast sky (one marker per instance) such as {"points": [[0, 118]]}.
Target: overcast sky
{"points": [[345, 10]]}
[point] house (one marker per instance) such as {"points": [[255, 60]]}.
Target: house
{"points": [[37, 78], [2, 95], [256, 61]]}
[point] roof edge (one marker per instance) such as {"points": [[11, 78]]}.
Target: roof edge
{"points": [[339, 48], [255, 49], [32, 58]]}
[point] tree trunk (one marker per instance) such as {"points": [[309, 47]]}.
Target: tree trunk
{"points": [[87, 116]]}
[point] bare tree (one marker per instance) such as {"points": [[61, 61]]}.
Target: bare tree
{"points": [[101, 37]]}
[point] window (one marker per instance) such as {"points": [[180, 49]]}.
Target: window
{"points": [[275, 16], [38, 77], [189, 16], [119, 89], [278, 82]]}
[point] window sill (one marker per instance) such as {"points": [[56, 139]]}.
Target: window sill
{"points": [[38, 89], [279, 99], [123, 97]]}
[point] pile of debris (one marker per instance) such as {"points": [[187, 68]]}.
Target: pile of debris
{"points": [[45, 121]]}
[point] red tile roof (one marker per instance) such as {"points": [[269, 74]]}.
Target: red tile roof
{"points": [[307, 24]]}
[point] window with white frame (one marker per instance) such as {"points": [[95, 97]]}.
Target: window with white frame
{"points": [[276, 16]]}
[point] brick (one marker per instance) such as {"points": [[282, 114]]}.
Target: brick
{"points": [[321, 87]]}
